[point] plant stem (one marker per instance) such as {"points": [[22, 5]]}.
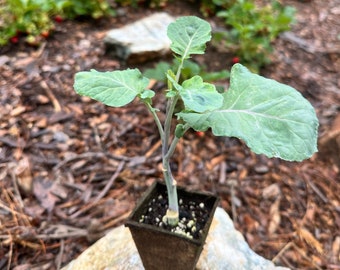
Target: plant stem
{"points": [[172, 215], [173, 145], [155, 117]]}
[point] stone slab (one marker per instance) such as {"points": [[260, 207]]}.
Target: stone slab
{"points": [[142, 40], [225, 248]]}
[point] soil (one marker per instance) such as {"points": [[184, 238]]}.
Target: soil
{"points": [[194, 212], [72, 169]]}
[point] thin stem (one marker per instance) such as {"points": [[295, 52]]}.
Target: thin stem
{"points": [[178, 74], [155, 117], [171, 104], [174, 142]]}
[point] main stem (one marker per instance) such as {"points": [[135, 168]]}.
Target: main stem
{"points": [[168, 148], [172, 215]]}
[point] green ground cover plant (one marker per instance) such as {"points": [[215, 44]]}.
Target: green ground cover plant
{"points": [[252, 29], [34, 19], [271, 118]]}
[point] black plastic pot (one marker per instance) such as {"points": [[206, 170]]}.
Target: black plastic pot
{"points": [[161, 249]]}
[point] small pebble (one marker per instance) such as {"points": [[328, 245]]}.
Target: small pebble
{"points": [[190, 223]]}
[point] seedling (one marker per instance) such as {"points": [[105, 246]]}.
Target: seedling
{"points": [[272, 118]]}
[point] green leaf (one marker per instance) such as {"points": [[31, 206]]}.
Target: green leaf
{"points": [[114, 88], [199, 96], [272, 118], [180, 130], [159, 72], [189, 36], [147, 94]]}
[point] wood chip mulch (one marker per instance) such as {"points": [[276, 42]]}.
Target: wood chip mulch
{"points": [[72, 169]]}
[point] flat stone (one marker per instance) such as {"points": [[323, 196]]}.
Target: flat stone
{"points": [[142, 40], [225, 248]]}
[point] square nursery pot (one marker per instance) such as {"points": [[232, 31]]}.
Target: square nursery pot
{"points": [[158, 247]]}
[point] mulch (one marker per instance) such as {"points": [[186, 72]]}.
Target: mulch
{"points": [[72, 169]]}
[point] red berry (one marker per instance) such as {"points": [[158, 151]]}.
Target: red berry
{"points": [[45, 34], [14, 39], [235, 60], [200, 133], [58, 19]]}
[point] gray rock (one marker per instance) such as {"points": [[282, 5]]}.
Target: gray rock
{"points": [[225, 248], [142, 40]]}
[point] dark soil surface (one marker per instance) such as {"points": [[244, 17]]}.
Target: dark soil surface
{"points": [[195, 209], [72, 169]]}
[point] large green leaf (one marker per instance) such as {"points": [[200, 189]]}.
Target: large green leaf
{"points": [[114, 88], [189, 35], [272, 118]]}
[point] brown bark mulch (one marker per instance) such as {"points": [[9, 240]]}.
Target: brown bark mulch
{"points": [[71, 169]]}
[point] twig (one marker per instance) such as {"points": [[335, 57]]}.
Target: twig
{"points": [[39, 52], [153, 149], [307, 45], [77, 233], [84, 155], [91, 155], [16, 189], [115, 221], [102, 193], [300, 42], [283, 250], [60, 255], [3, 206], [51, 96], [10, 254], [316, 190], [97, 137], [110, 182], [305, 256], [232, 184], [222, 177]]}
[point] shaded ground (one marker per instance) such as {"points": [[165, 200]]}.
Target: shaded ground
{"points": [[71, 169]]}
